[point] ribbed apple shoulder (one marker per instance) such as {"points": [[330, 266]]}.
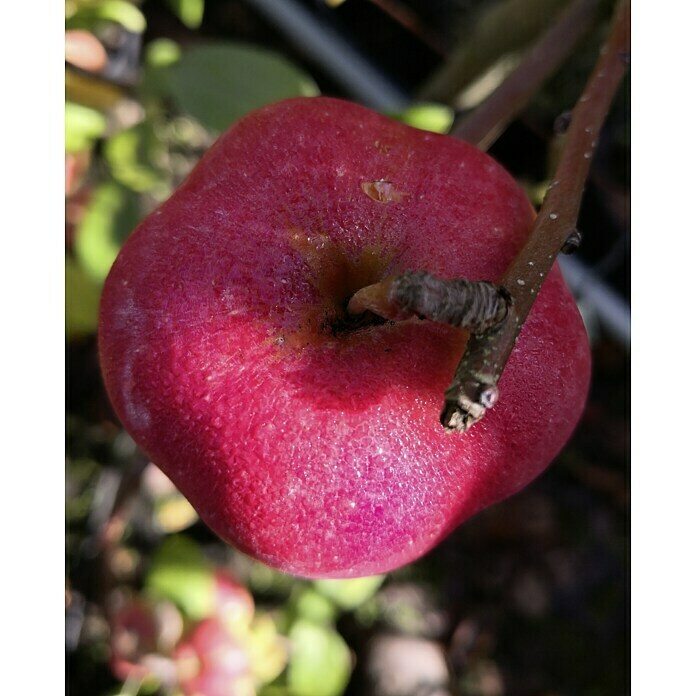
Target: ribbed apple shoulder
{"points": [[307, 440]]}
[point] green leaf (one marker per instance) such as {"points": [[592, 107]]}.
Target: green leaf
{"points": [[82, 127], [190, 12], [320, 661], [181, 574], [112, 214], [350, 594], [159, 55], [311, 605], [81, 301], [130, 154], [263, 579], [218, 83], [124, 13], [266, 650], [437, 118]]}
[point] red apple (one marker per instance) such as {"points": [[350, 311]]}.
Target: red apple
{"points": [[309, 440], [142, 635], [134, 633], [233, 605], [211, 662]]}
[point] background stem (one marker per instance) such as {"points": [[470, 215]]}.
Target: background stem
{"points": [[483, 125], [504, 28]]}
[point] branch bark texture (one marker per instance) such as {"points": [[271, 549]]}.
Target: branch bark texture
{"points": [[501, 28], [483, 125], [495, 313], [486, 354]]}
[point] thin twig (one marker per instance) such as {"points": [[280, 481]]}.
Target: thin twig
{"points": [[483, 125], [485, 355], [410, 21], [500, 29]]}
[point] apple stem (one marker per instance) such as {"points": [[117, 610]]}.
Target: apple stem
{"points": [[486, 354], [478, 306]]}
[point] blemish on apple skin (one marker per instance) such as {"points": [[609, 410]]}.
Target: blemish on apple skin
{"points": [[382, 191]]}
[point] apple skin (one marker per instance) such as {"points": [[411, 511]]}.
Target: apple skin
{"points": [[309, 443]]}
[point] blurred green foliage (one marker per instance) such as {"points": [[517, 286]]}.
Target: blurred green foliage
{"points": [[110, 216], [428, 116], [349, 594], [219, 83], [89, 14], [146, 140], [132, 155], [81, 300], [181, 574], [83, 126], [321, 662], [180, 102], [190, 12]]}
